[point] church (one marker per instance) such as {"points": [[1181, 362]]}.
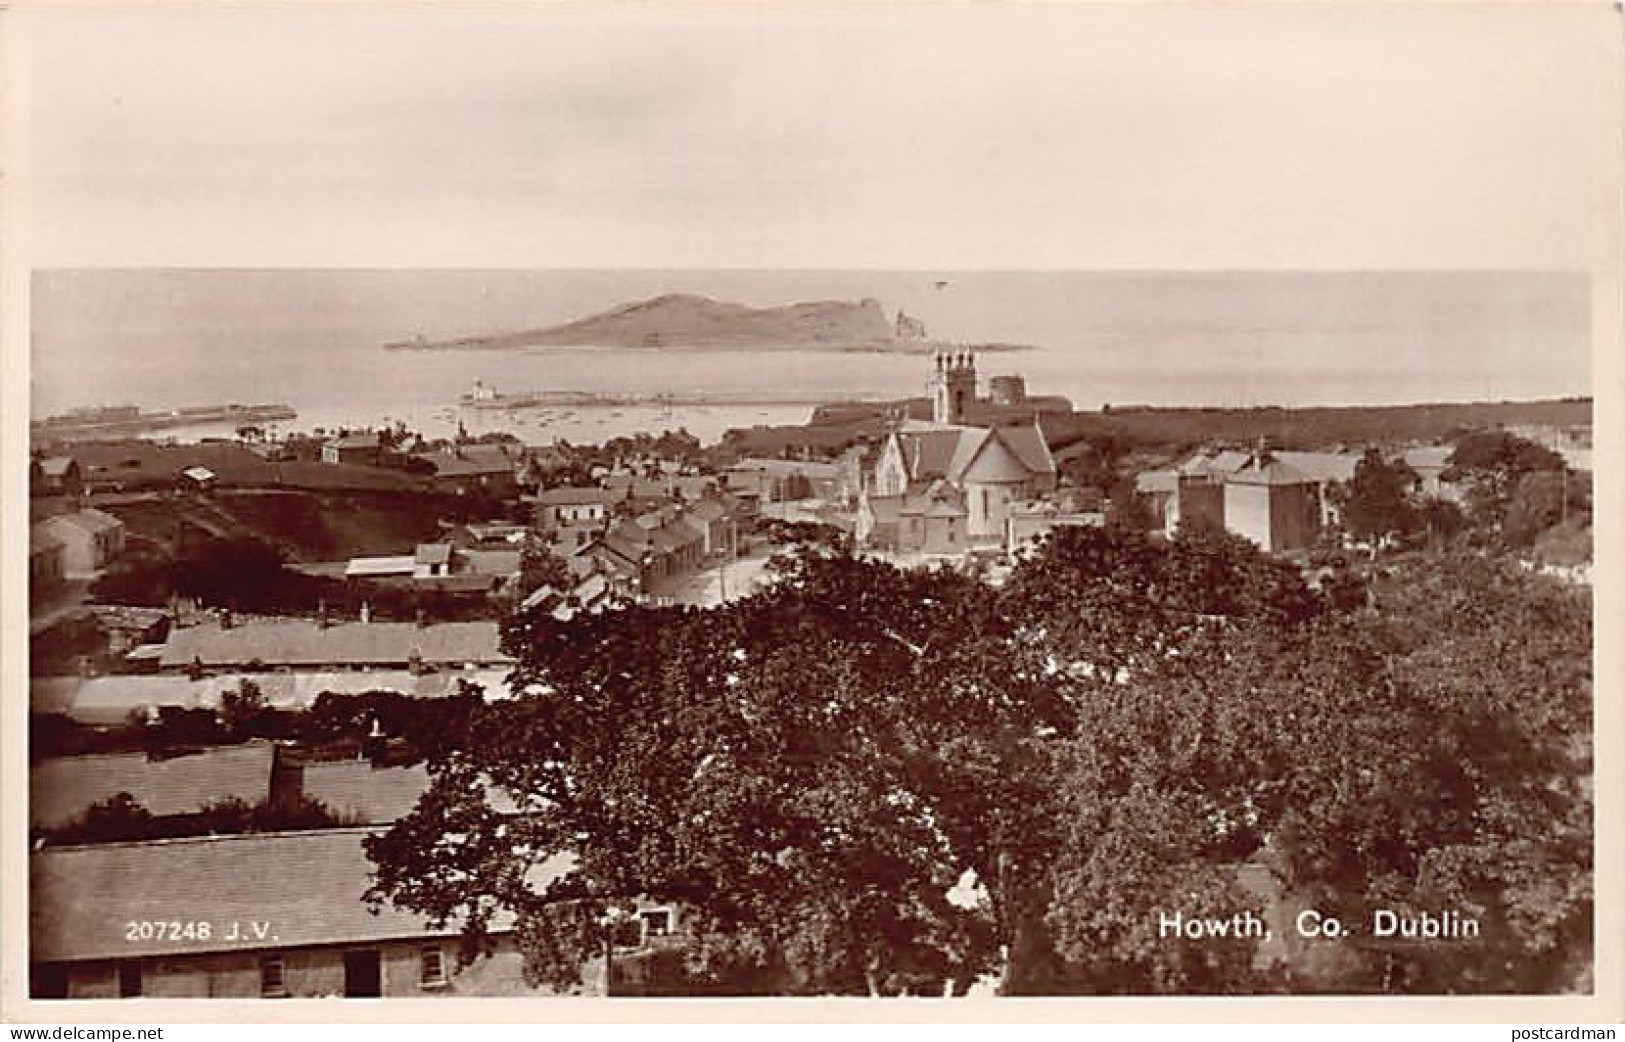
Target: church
{"points": [[944, 485]]}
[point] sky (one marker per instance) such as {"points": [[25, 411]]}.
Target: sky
{"points": [[1043, 136]]}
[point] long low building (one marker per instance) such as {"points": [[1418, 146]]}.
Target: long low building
{"points": [[61, 790], [261, 915], [309, 644], [108, 701]]}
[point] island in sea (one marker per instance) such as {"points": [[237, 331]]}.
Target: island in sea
{"points": [[679, 321]]}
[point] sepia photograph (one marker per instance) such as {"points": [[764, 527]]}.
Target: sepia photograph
{"points": [[562, 502]]}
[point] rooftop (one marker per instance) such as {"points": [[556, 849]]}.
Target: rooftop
{"points": [[309, 885], [63, 789]]}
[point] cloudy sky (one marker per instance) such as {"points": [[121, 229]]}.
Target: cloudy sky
{"points": [[778, 135]]}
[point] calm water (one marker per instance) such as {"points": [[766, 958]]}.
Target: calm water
{"points": [[312, 339]]}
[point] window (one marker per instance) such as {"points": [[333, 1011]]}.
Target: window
{"points": [[273, 984], [433, 968], [129, 978]]}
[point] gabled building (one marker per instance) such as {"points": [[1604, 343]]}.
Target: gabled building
{"points": [[47, 565], [261, 915], [572, 505], [1280, 499], [55, 476], [990, 467], [310, 645], [91, 539]]}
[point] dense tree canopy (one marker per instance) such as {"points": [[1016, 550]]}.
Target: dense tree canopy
{"points": [[862, 780]]}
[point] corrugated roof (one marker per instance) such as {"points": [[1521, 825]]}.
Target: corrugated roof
{"points": [[63, 789], [302, 642], [307, 885]]}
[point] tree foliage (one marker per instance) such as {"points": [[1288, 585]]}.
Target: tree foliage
{"points": [[862, 780]]}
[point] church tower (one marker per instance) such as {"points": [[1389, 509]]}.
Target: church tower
{"points": [[953, 387]]}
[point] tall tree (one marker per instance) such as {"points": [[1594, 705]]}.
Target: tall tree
{"points": [[1379, 502]]}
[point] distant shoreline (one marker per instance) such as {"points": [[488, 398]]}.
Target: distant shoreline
{"points": [[500, 342]]}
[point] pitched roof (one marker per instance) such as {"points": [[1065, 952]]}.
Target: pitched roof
{"points": [[432, 553], [884, 509], [786, 467], [995, 460], [1269, 471], [928, 454], [1213, 464], [469, 460], [573, 495], [938, 499], [1028, 443], [303, 642], [309, 885], [369, 795], [365, 566], [62, 789], [1321, 466], [1427, 457], [356, 791], [493, 562], [111, 699], [56, 466], [707, 510], [89, 521], [1156, 481], [354, 441]]}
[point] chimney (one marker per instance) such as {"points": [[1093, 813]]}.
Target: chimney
{"points": [[366, 613], [322, 621], [422, 619]]}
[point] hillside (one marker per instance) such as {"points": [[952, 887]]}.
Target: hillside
{"points": [[684, 321]]}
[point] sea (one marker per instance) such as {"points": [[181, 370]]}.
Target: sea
{"points": [[314, 340]]}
